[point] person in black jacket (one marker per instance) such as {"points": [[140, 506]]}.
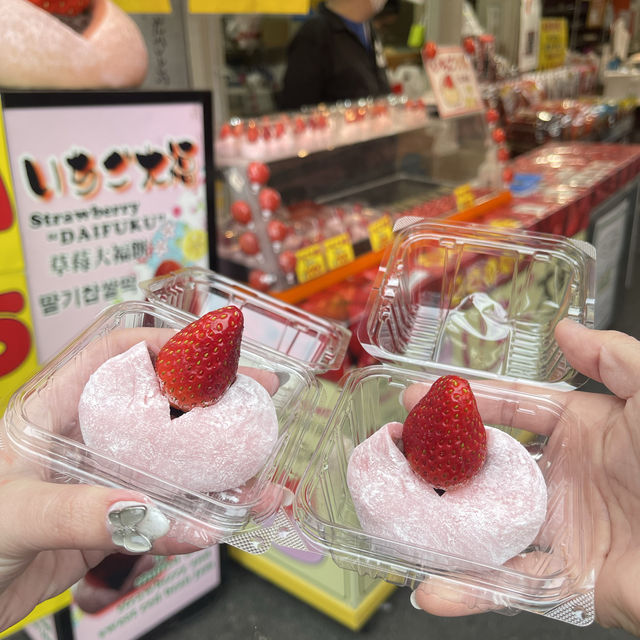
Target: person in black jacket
{"points": [[335, 56]]}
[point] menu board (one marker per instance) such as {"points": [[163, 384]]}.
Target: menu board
{"points": [[109, 189]]}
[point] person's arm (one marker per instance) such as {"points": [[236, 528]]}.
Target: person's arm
{"points": [[307, 61]]}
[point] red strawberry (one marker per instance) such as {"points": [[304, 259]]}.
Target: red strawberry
{"points": [[63, 7], [444, 438], [197, 365]]}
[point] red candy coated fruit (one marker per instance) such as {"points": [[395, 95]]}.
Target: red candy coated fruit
{"points": [[492, 116], [503, 154], [249, 244], [259, 280], [269, 199], [277, 230], [287, 261], [241, 211], [430, 50], [258, 172], [499, 136]]}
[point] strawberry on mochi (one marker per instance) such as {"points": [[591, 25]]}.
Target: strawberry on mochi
{"points": [[443, 481], [228, 428]]}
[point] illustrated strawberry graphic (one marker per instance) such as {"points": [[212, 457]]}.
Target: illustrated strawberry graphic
{"points": [[198, 364], [444, 438], [63, 7]]}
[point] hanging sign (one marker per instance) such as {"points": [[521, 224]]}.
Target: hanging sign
{"points": [[554, 40], [453, 81]]}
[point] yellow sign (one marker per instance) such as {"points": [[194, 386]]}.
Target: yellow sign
{"points": [[18, 361], [380, 233], [464, 197], [145, 6], [554, 38], [338, 251], [46, 608], [249, 6], [10, 248], [310, 263]]}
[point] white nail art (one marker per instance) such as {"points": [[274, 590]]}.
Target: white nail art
{"points": [[135, 526], [413, 601]]}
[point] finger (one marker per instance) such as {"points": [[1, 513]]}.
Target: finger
{"points": [[610, 357], [38, 516], [441, 598], [267, 379]]}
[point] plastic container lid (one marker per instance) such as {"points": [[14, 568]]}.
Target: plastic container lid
{"points": [[318, 344], [478, 302]]}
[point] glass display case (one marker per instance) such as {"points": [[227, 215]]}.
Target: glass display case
{"points": [[305, 194]]}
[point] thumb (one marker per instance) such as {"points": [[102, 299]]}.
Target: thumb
{"points": [[38, 516], [610, 357]]}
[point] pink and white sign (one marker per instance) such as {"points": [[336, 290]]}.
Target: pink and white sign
{"points": [[454, 83], [106, 194]]}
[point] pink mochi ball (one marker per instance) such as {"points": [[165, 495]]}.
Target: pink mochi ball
{"points": [[124, 414], [491, 519]]}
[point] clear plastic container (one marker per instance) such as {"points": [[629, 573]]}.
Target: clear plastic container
{"points": [[549, 577], [318, 344], [430, 314], [479, 302], [42, 425]]}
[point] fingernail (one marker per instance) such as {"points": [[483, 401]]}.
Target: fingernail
{"points": [[135, 525], [401, 398], [413, 601]]}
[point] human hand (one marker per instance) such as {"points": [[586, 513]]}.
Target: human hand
{"points": [[611, 433], [52, 534]]}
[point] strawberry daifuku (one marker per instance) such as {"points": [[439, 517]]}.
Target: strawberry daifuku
{"points": [[229, 428], [489, 520], [444, 481]]}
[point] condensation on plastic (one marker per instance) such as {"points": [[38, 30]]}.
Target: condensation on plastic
{"points": [[467, 299], [35, 429], [550, 573], [317, 343]]}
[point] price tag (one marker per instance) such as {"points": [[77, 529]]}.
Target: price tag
{"points": [[464, 197], [310, 263], [380, 233], [338, 251]]}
